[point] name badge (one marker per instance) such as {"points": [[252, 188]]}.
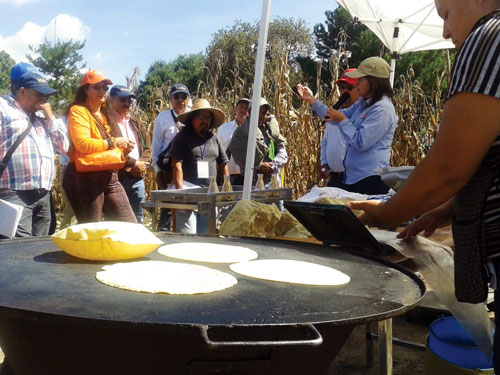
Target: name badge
{"points": [[202, 169]]}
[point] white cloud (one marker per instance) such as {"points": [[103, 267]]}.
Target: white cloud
{"points": [[18, 2], [99, 56], [63, 27]]}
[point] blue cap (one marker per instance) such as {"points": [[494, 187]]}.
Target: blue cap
{"points": [[36, 82], [179, 88], [19, 69], [121, 92]]}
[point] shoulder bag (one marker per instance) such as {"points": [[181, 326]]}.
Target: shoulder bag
{"points": [[107, 160]]}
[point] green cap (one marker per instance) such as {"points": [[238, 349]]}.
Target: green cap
{"points": [[372, 66]]}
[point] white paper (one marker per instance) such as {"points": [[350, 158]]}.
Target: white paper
{"points": [[11, 215], [203, 169]]}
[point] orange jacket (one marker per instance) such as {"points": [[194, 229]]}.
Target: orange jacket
{"points": [[83, 133]]}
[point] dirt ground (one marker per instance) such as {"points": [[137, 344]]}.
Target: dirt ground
{"points": [[412, 327]]}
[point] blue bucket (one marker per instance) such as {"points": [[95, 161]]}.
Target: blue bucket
{"points": [[449, 341]]}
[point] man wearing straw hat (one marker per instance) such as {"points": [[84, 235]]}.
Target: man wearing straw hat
{"points": [[197, 155]]}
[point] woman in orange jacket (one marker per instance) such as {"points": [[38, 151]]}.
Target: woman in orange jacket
{"points": [[93, 193]]}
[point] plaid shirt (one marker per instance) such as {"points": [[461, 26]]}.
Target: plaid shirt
{"points": [[32, 164]]}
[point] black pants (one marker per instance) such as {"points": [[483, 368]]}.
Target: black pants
{"points": [[371, 185], [336, 180]]}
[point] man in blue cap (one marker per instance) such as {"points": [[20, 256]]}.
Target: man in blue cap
{"points": [[17, 71], [131, 178], [165, 129], [29, 171]]}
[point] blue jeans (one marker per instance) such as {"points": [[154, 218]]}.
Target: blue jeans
{"points": [[190, 222], [36, 216], [136, 193]]}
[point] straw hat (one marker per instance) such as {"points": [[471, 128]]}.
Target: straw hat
{"points": [[204, 105]]}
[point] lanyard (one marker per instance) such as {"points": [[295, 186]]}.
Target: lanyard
{"points": [[203, 151]]}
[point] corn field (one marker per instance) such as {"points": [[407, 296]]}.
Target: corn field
{"points": [[419, 114]]}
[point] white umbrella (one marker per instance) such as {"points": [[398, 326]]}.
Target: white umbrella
{"points": [[402, 25]]}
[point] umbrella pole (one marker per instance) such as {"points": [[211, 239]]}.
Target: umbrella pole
{"points": [[393, 71], [257, 88]]}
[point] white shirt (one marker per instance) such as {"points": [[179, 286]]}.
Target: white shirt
{"points": [[165, 129], [128, 132], [224, 134]]}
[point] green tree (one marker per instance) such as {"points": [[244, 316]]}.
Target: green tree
{"points": [[6, 63], [361, 42], [59, 63], [185, 69], [230, 56]]}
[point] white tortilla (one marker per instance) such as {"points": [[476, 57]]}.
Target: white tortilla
{"points": [[208, 252], [291, 271], [165, 277]]}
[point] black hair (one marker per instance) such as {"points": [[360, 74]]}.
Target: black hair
{"points": [[379, 87]]}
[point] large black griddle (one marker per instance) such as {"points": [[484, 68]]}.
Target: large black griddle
{"points": [[336, 225], [56, 318]]}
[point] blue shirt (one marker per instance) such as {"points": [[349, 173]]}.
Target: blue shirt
{"points": [[333, 144], [368, 132]]}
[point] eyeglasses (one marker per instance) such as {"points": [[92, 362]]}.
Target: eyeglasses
{"points": [[180, 95], [100, 87], [126, 100], [344, 86]]}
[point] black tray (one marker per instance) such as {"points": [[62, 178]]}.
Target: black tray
{"points": [[336, 225]]}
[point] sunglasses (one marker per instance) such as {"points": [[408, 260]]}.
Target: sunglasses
{"points": [[180, 95], [126, 100], [344, 86], [100, 87]]}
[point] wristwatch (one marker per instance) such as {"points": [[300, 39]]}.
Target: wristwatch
{"points": [[111, 143]]}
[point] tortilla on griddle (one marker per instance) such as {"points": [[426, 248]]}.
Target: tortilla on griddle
{"points": [[291, 271], [165, 277], [207, 252]]}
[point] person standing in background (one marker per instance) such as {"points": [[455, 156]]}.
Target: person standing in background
{"points": [[132, 178], [28, 176], [166, 127], [225, 133], [333, 144], [92, 194]]}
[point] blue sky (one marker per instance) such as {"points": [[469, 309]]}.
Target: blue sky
{"points": [[123, 34]]}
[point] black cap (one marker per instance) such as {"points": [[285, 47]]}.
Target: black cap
{"points": [[121, 92], [179, 88], [36, 82]]}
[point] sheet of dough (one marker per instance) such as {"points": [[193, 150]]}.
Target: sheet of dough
{"points": [[207, 252], [291, 271], [165, 277]]}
